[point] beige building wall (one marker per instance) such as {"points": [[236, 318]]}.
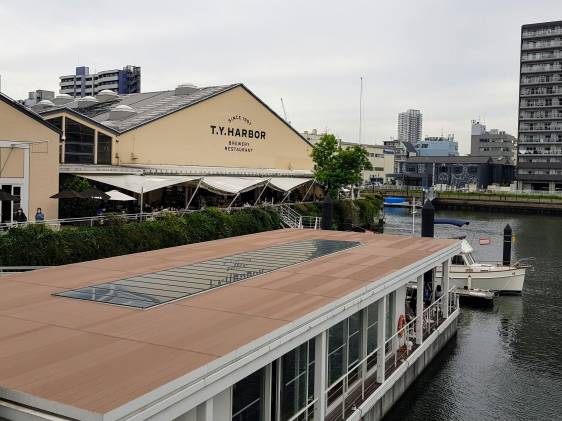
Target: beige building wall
{"points": [[389, 163], [16, 127], [383, 163], [199, 135]]}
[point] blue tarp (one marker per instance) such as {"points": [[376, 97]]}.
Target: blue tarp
{"points": [[450, 221], [392, 200]]}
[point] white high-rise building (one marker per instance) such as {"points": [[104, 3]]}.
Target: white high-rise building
{"points": [[410, 126]]}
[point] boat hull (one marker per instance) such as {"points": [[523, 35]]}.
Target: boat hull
{"points": [[503, 280]]}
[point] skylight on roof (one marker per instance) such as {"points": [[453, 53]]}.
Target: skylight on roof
{"points": [[152, 289]]}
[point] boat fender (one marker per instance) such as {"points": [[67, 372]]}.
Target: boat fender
{"points": [[401, 324]]}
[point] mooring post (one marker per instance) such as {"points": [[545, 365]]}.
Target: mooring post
{"points": [[507, 234], [428, 220], [327, 212], [428, 230]]}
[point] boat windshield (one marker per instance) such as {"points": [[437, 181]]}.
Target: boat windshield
{"points": [[457, 260], [469, 259]]}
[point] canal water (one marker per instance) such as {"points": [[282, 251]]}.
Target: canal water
{"points": [[506, 362]]}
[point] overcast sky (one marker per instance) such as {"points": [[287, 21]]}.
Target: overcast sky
{"points": [[455, 60]]}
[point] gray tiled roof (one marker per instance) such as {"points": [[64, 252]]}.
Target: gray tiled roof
{"points": [[148, 106]]}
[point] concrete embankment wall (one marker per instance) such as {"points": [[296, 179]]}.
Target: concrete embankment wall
{"points": [[404, 378], [538, 207]]}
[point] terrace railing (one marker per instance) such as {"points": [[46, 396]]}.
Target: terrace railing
{"points": [[359, 381]]}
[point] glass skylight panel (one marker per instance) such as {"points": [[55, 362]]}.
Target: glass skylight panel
{"points": [[151, 289]]}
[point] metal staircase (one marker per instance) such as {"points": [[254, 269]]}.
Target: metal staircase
{"points": [[292, 219]]}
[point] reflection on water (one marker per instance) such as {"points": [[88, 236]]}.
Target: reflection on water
{"points": [[506, 363]]}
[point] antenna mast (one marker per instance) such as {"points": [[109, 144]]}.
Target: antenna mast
{"points": [[284, 111], [361, 111]]}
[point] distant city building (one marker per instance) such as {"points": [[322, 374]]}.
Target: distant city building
{"points": [[312, 136], [455, 171], [495, 143], [35, 96], [382, 160], [410, 126], [402, 150], [539, 163], [83, 83], [437, 146]]}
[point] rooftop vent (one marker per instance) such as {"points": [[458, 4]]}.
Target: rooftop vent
{"points": [[43, 105], [106, 95], [186, 89], [62, 99], [121, 112], [86, 101]]}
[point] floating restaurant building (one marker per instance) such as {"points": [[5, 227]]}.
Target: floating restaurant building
{"points": [[222, 139], [282, 325]]}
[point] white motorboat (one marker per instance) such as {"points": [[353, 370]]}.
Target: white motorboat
{"points": [[466, 273]]}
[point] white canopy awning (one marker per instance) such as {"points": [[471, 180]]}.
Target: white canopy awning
{"points": [[139, 183], [287, 184], [117, 196], [231, 185]]}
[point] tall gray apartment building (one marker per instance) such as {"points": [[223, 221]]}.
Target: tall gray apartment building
{"points": [[539, 156], [410, 126]]}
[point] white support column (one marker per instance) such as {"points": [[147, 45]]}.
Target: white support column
{"points": [[25, 190], [320, 371], [445, 287], [267, 393], [419, 311], [204, 411], [364, 325], [381, 337]]}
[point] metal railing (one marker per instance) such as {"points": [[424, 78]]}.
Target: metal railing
{"points": [[288, 215], [96, 220], [304, 411], [293, 219], [397, 349]]}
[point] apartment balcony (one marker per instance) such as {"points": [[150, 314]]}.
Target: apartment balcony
{"points": [[543, 57], [542, 69], [527, 46], [540, 129], [540, 105], [539, 94], [527, 117], [543, 141], [540, 153], [533, 82], [541, 33]]}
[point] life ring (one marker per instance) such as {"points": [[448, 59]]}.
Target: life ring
{"points": [[401, 324]]}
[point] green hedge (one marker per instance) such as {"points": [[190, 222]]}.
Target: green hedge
{"points": [[37, 245], [363, 212]]}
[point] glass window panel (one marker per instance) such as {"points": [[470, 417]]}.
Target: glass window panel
{"points": [[354, 323], [336, 336], [247, 398], [79, 143], [104, 149], [297, 371], [335, 365]]}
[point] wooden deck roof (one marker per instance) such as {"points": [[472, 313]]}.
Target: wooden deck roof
{"points": [[97, 357]]}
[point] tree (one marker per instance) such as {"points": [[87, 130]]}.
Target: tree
{"points": [[336, 167]]}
